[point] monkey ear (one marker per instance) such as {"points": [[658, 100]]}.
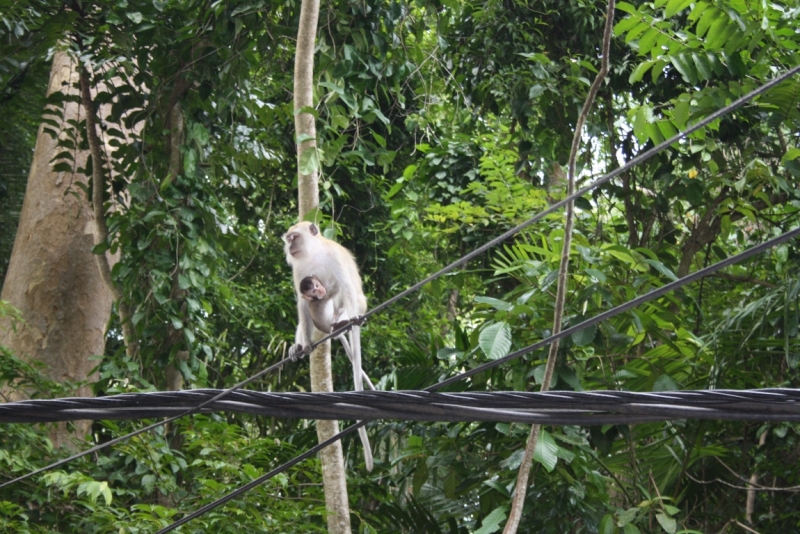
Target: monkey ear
{"points": [[313, 229]]}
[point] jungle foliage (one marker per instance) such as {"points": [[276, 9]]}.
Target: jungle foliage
{"points": [[441, 124]]}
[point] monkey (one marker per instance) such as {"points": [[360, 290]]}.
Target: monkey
{"points": [[322, 315], [341, 298]]}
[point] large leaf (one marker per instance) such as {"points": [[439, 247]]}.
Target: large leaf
{"points": [[546, 452], [491, 523], [495, 340]]}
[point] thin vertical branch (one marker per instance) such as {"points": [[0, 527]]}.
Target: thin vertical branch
{"points": [[331, 458], [98, 205], [518, 500]]}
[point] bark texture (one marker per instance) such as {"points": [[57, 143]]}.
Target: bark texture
{"points": [[333, 475], [52, 275]]}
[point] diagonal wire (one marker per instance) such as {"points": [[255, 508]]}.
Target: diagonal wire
{"points": [[149, 427], [494, 363], [644, 156], [483, 248], [757, 249]]}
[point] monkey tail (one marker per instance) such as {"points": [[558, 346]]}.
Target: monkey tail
{"points": [[353, 351], [362, 433], [358, 385]]}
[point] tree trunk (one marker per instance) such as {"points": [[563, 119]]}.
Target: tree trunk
{"points": [[331, 458], [52, 275]]}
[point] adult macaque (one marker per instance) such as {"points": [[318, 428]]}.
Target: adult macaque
{"points": [[334, 292]]}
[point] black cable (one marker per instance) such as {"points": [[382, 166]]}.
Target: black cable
{"points": [[480, 250], [147, 428], [494, 363], [554, 408]]}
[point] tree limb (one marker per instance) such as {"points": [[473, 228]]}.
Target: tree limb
{"points": [[518, 501], [98, 205]]}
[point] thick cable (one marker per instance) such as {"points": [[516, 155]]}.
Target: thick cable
{"points": [[494, 363], [480, 250], [596, 407]]}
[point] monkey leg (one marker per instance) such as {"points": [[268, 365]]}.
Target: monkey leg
{"points": [[349, 351]]}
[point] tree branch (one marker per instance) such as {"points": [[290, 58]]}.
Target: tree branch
{"points": [[518, 501], [98, 205]]}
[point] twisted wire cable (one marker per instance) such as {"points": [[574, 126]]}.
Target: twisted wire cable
{"points": [[553, 407]]}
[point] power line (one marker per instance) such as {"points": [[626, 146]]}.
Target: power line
{"points": [[635, 161], [494, 363], [552, 407], [480, 250]]}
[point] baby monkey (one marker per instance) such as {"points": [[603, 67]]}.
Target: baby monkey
{"points": [[324, 316]]}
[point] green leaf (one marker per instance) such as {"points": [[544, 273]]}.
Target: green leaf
{"points": [[307, 109], [660, 267], [606, 525], [395, 189], [420, 476], [495, 340], [600, 276], [309, 161], [622, 27], [101, 248], [680, 113], [63, 167], [648, 40], [698, 10], [495, 303], [791, 155], [200, 134], [190, 162], [340, 121], [636, 31], [703, 65], [625, 7], [720, 32], [491, 523], [379, 139], [709, 17], [665, 383], [640, 122], [640, 70], [684, 64], [667, 523], [675, 6], [333, 87], [584, 337], [546, 452]]}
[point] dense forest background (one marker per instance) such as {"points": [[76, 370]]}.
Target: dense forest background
{"points": [[441, 124]]}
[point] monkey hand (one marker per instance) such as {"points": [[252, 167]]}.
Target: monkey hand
{"points": [[296, 352], [358, 320]]}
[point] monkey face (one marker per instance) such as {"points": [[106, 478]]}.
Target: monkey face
{"points": [[312, 289], [296, 236]]}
